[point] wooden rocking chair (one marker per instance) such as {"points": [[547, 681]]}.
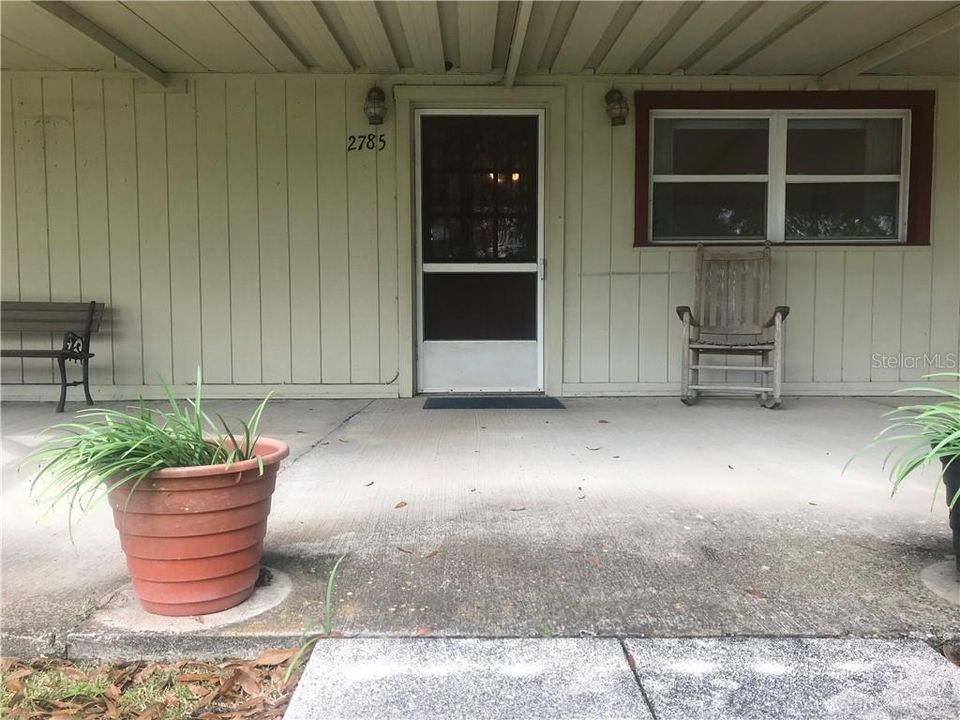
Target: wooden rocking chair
{"points": [[732, 316]]}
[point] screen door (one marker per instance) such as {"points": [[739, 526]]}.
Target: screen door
{"points": [[479, 252]]}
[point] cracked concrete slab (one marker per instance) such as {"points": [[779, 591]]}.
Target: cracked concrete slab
{"points": [[446, 679], [796, 679], [626, 516]]}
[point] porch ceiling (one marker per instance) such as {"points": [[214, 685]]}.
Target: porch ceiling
{"points": [[833, 39]]}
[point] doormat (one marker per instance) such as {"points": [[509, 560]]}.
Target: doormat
{"points": [[492, 402]]}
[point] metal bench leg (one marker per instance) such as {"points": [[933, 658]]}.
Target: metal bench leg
{"points": [[86, 381], [62, 362]]}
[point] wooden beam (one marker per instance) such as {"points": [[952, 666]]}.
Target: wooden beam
{"points": [[516, 42], [78, 22], [919, 35], [249, 20], [421, 26]]}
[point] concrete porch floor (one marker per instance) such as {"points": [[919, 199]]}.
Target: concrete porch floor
{"points": [[615, 517]]}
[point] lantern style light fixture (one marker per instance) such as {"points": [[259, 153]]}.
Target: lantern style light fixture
{"points": [[617, 107], [375, 106]]}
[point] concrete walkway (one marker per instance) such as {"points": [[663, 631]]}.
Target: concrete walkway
{"points": [[634, 679], [614, 517]]}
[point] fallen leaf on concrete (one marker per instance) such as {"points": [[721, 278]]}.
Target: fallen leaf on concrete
{"points": [[951, 651], [404, 550], [519, 509], [342, 440], [603, 422], [401, 504], [592, 448], [756, 593], [810, 502], [432, 553], [730, 466], [368, 484], [422, 630], [274, 656], [631, 661]]}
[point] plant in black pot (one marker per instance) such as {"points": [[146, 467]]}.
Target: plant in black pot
{"points": [[926, 433]]}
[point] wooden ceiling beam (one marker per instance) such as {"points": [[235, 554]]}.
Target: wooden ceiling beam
{"points": [[78, 22], [517, 41], [913, 38]]}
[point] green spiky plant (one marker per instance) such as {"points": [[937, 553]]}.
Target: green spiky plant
{"points": [[923, 433], [105, 449]]}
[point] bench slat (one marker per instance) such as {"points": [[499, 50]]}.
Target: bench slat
{"points": [[40, 317]]}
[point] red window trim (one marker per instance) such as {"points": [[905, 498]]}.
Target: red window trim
{"points": [[920, 103]]}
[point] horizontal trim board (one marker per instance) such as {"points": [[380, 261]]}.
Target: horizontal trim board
{"points": [[110, 393], [826, 389]]}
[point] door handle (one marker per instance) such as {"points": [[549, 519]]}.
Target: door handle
{"points": [[543, 268]]}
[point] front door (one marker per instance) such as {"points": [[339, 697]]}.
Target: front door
{"points": [[479, 255]]}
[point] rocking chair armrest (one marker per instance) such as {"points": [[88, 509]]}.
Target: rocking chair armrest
{"points": [[782, 311], [683, 311]]}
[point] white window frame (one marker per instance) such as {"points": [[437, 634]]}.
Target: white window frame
{"points": [[776, 176]]}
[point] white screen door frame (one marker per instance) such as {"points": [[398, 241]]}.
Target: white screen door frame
{"points": [[479, 366]]}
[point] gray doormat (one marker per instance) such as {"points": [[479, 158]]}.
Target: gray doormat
{"points": [[492, 402]]}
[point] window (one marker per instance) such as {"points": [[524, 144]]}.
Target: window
{"points": [[784, 167]]}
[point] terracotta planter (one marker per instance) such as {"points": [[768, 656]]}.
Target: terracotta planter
{"points": [[193, 536]]}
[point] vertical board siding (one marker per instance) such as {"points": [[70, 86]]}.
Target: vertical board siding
{"points": [[850, 307], [216, 312], [154, 237], [228, 227], [304, 230], [332, 180], [11, 369], [33, 256], [273, 230], [93, 223], [363, 246], [244, 230], [123, 201], [225, 228], [183, 199]]}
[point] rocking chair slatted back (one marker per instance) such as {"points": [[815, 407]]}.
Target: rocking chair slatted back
{"points": [[732, 291]]}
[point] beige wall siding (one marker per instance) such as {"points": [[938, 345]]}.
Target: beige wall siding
{"points": [[226, 226], [229, 227], [620, 331]]}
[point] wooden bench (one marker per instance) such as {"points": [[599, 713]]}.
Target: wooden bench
{"points": [[77, 321]]}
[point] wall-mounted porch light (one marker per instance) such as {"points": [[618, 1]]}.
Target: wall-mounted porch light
{"points": [[617, 107], [375, 106]]}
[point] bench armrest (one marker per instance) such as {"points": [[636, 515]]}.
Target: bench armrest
{"points": [[782, 311], [684, 312]]}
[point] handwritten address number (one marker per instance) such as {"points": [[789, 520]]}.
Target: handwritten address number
{"points": [[370, 141]]}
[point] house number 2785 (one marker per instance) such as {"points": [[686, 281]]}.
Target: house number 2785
{"points": [[370, 141]]}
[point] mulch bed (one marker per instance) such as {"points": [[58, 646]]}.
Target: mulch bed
{"points": [[57, 689]]}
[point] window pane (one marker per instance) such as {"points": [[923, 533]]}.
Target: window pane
{"points": [[479, 192], [736, 146], [709, 211], [480, 306], [826, 211], [844, 146]]}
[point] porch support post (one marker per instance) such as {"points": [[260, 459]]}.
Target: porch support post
{"points": [[78, 22], [516, 42], [891, 49]]}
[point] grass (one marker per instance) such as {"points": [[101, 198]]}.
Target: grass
{"points": [[230, 689], [45, 687], [308, 641]]}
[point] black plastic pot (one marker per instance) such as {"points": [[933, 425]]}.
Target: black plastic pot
{"points": [[951, 478]]}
